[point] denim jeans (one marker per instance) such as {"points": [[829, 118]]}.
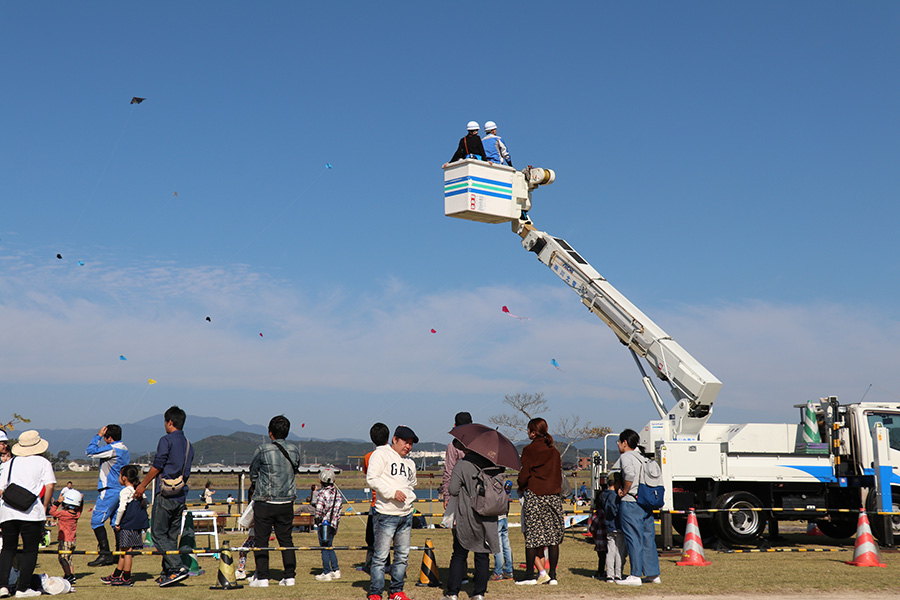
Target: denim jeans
{"points": [[640, 539], [503, 560], [165, 525], [396, 529], [329, 557], [279, 517]]}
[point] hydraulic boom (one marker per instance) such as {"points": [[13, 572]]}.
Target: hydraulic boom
{"points": [[478, 191]]}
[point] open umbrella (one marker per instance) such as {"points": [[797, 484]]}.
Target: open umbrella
{"points": [[489, 443]]}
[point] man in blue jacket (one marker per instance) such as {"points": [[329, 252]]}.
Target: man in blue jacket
{"points": [[494, 147], [108, 448]]}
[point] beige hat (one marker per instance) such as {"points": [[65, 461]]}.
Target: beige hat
{"points": [[30, 443]]}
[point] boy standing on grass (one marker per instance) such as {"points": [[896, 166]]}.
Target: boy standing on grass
{"points": [[67, 510]]}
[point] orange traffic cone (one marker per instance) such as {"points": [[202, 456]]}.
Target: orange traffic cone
{"points": [[866, 553], [692, 555], [429, 576]]}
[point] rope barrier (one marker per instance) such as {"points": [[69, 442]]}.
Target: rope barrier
{"points": [[201, 550], [755, 509]]}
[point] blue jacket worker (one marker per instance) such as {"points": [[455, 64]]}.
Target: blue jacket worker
{"points": [[108, 448], [494, 147]]}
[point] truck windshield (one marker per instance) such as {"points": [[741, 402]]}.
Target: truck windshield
{"points": [[889, 420]]}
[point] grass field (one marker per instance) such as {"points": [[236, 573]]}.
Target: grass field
{"points": [[752, 574]]}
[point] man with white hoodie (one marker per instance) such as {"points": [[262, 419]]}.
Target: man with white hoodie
{"points": [[393, 478]]}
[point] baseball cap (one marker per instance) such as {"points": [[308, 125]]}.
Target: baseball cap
{"points": [[405, 433]]}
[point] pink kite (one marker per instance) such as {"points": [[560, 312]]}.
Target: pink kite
{"points": [[521, 319], [434, 331]]}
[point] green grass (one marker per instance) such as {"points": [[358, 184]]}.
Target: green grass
{"points": [[801, 574]]}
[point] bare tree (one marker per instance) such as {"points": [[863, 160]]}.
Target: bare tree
{"points": [[524, 408], [571, 429], [11, 425], [527, 406]]}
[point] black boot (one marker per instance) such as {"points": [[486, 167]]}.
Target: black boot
{"points": [[103, 546]]}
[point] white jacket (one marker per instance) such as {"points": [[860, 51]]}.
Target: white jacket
{"points": [[389, 472]]}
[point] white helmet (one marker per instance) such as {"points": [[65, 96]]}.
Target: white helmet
{"points": [[490, 125], [73, 497], [472, 126]]}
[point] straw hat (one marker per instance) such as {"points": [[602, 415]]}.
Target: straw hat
{"points": [[30, 443]]}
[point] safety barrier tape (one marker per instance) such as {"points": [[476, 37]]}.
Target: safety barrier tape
{"points": [[201, 550], [755, 509], [761, 550]]}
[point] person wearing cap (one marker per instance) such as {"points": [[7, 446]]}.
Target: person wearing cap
{"points": [[470, 145], [328, 515], [393, 477], [28, 469], [495, 149], [108, 448], [5, 454], [272, 471]]}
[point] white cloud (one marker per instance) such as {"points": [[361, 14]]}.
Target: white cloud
{"points": [[363, 355]]}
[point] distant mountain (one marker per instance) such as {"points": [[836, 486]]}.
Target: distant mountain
{"points": [[141, 437]]}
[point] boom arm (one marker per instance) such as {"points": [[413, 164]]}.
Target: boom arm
{"points": [[479, 191], [694, 387]]}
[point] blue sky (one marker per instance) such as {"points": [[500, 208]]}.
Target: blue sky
{"points": [[730, 167]]}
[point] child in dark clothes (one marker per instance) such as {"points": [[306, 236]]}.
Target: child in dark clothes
{"points": [[615, 539]]}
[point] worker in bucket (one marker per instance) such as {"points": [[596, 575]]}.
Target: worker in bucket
{"points": [[470, 146], [494, 147]]}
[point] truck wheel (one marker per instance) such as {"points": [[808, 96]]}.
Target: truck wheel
{"points": [[838, 529], [876, 521], [742, 526]]}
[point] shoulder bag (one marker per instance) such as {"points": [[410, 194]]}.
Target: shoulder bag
{"points": [[170, 488], [15, 496]]}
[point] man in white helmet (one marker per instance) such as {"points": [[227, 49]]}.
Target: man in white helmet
{"points": [[470, 146], [494, 146]]}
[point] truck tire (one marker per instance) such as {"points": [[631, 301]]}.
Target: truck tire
{"points": [[876, 521], [743, 526], [838, 529]]}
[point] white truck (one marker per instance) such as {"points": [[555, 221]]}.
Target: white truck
{"points": [[752, 472]]}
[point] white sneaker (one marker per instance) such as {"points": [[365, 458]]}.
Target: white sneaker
{"points": [[4, 592], [336, 574], [254, 582], [552, 582], [630, 580], [527, 582], [324, 576], [453, 597], [28, 594], [651, 579], [288, 581], [240, 574]]}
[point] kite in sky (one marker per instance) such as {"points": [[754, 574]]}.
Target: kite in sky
{"points": [[80, 263], [122, 357], [137, 100], [151, 381], [175, 193], [260, 335], [328, 166], [521, 319], [208, 319], [555, 364], [59, 256], [433, 331]]}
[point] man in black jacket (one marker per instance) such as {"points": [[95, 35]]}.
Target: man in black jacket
{"points": [[470, 146]]}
